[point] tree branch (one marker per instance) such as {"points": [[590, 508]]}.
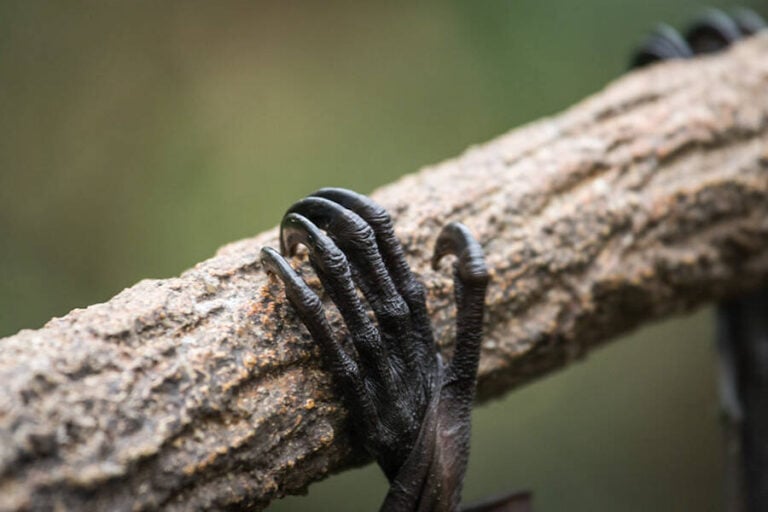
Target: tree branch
{"points": [[204, 391]]}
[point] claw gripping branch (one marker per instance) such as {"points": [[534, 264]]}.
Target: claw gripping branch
{"points": [[410, 409]]}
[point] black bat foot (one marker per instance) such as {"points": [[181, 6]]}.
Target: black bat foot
{"points": [[410, 409]]}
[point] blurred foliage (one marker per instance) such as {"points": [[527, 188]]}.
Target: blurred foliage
{"points": [[137, 137]]}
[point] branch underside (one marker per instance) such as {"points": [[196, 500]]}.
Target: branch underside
{"points": [[204, 391]]}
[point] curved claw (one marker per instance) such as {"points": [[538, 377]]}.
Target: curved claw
{"points": [[317, 210], [276, 264], [748, 21], [327, 259], [352, 235], [470, 281], [296, 229], [389, 247], [373, 213], [662, 44], [343, 224], [456, 239], [379, 220], [357, 241], [305, 209], [712, 32], [301, 296]]}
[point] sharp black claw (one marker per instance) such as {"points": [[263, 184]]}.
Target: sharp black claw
{"points": [[748, 21], [357, 240], [332, 217], [300, 295], [318, 210], [374, 214], [456, 239], [662, 44], [712, 31], [381, 223], [275, 263], [296, 229]]}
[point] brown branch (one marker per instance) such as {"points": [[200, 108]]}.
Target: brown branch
{"points": [[203, 391]]}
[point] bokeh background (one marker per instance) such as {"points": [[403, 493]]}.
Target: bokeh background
{"points": [[137, 137]]}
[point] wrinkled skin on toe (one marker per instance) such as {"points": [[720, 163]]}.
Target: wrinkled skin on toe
{"points": [[408, 406]]}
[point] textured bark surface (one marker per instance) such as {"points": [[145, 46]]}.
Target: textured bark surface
{"points": [[203, 391]]}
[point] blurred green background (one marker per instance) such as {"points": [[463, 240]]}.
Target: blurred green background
{"points": [[137, 137]]}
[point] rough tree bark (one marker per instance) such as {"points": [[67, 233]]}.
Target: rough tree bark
{"points": [[203, 391]]}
